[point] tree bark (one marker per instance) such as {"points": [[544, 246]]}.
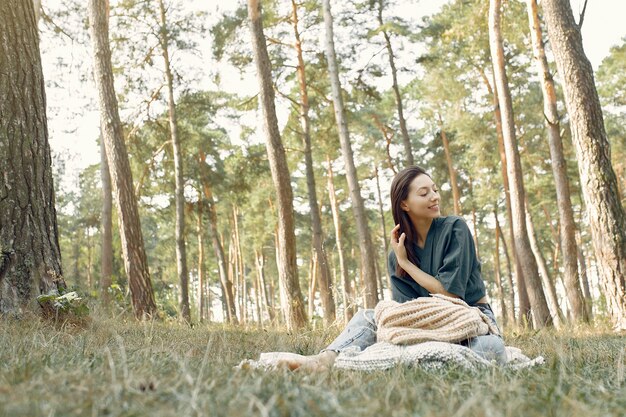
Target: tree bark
{"points": [[199, 232], [406, 140], [30, 258], [524, 304], [456, 195], [133, 251], [368, 257], [497, 269], [548, 283], [383, 226], [288, 271], [511, 294], [559, 171], [218, 249], [349, 302], [605, 212], [541, 314], [106, 257], [325, 284]]}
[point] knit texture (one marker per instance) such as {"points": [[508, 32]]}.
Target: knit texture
{"points": [[437, 318], [428, 355]]}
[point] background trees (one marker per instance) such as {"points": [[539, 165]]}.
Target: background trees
{"points": [[438, 69]]}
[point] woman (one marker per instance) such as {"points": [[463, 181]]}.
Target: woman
{"points": [[431, 255]]}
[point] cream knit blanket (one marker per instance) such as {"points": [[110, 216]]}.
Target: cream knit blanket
{"points": [[436, 318]]}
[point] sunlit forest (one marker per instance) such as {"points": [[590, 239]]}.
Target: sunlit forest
{"points": [[229, 193]]}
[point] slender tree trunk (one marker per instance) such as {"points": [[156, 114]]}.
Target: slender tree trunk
{"points": [[133, 251], [106, 257], [474, 220], [559, 170], [511, 293], [382, 221], [456, 195], [199, 232], [288, 270], [605, 212], [179, 193], [30, 258], [524, 303], [541, 314], [505, 312], [349, 302], [218, 249], [312, 284], [585, 282], [548, 283], [368, 257], [260, 265], [328, 303], [406, 140]]}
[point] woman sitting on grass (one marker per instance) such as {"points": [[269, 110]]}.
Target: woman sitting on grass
{"points": [[431, 255]]}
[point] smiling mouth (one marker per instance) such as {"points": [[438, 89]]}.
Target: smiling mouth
{"points": [[435, 207]]}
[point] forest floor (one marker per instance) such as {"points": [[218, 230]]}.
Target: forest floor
{"points": [[119, 367]]}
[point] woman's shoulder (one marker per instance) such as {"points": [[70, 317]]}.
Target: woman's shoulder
{"points": [[453, 223]]}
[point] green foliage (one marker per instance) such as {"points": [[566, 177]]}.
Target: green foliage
{"points": [[63, 306]]}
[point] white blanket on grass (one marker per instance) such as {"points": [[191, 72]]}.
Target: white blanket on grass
{"points": [[384, 355]]}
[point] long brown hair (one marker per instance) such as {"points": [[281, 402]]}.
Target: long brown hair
{"points": [[400, 187]]}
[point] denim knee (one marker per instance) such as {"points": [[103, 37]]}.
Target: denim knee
{"points": [[360, 331]]}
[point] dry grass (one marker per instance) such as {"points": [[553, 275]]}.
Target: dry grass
{"points": [[114, 367]]}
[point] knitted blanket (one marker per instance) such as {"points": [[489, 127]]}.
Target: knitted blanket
{"points": [[430, 355], [436, 318]]}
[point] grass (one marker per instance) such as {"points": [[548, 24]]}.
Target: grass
{"points": [[119, 367]]}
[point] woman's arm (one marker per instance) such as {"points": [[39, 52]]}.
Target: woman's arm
{"points": [[427, 281]]}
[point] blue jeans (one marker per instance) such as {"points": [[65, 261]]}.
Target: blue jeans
{"points": [[361, 332]]}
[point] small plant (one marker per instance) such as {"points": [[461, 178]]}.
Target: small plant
{"points": [[63, 306]]}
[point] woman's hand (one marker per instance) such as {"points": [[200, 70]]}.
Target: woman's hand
{"points": [[397, 244]]}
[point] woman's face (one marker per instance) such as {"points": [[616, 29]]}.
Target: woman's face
{"points": [[423, 198]]}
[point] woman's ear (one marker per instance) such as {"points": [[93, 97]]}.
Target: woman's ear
{"points": [[404, 206]]}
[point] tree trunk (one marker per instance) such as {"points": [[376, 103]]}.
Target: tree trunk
{"points": [[524, 304], [511, 293], [474, 220], [406, 140], [30, 258], [133, 251], [456, 195], [179, 192], [382, 221], [349, 302], [288, 270], [605, 212], [548, 284], [106, 257], [260, 265], [585, 282], [199, 232], [559, 171], [328, 303], [218, 249], [541, 314], [368, 257], [504, 311]]}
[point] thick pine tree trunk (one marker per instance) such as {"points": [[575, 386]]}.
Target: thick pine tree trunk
{"points": [[349, 302], [288, 270], [541, 314], [179, 189], [368, 256], [406, 140], [605, 212], [30, 258], [559, 171], [133, 251], [106, 257], [328, 303]]}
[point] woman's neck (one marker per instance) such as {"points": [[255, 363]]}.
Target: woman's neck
{"points": [[421, 227]]}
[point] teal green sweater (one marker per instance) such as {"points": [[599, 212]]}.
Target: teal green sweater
{"points": [[448, 255]]}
